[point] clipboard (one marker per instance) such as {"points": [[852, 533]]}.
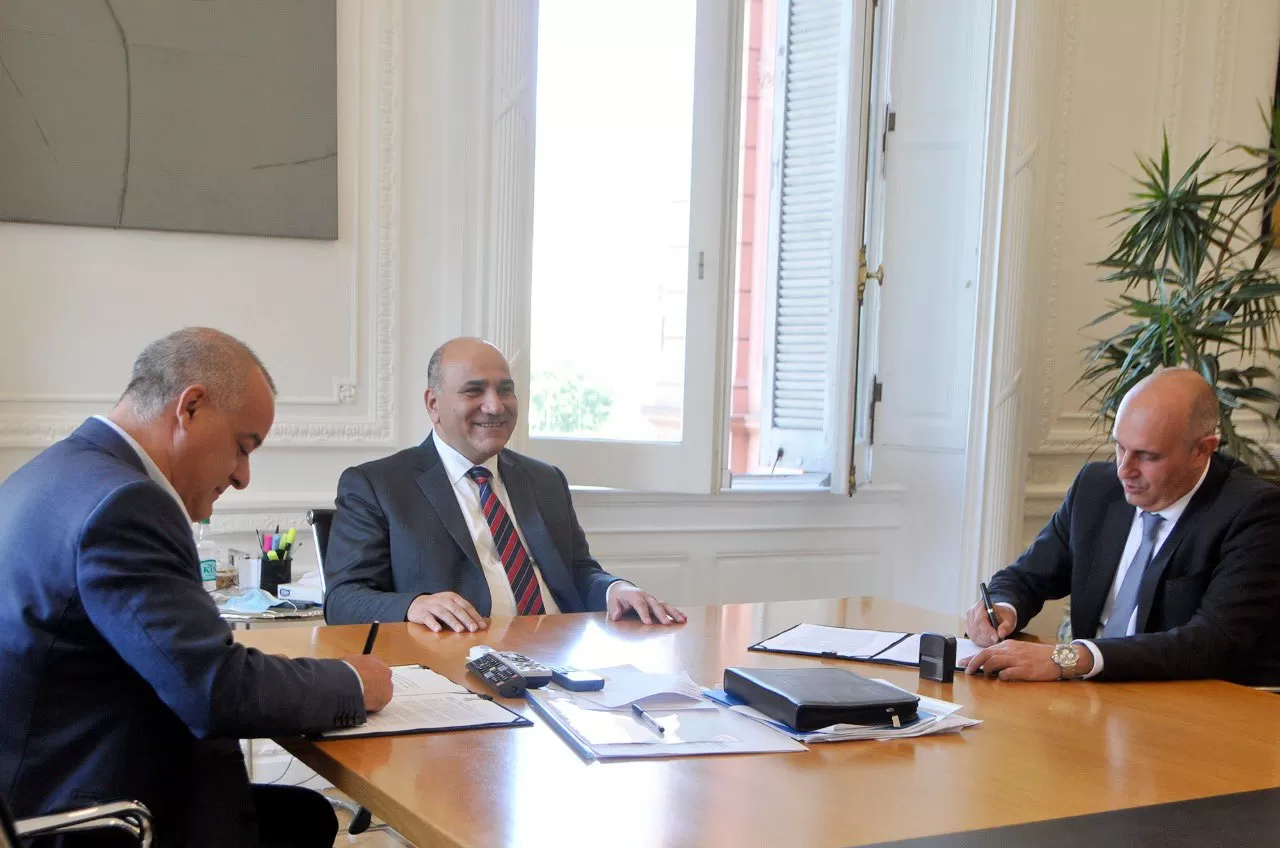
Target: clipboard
{"points": [[427, 702], [892, 648]]}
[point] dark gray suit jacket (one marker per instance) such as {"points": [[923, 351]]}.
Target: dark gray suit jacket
{"points": [[1209, 603], [118, 681], [399, 533]]}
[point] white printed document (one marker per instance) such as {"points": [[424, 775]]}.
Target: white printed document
{"points": [[843, 642], [424, 701]]}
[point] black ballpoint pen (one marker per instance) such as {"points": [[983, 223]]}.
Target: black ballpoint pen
{"points": [[373, 634], [647, 720], [991, 611]]}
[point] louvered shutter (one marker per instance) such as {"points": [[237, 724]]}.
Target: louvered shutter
{"points": [[804, 205]]}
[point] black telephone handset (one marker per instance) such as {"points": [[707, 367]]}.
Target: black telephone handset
{"points": [[507, 672]]}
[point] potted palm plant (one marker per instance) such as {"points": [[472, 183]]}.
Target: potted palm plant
{"points": [[1199, 288]]}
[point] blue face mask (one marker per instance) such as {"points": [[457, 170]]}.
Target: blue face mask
{"points": [[250, 600]]}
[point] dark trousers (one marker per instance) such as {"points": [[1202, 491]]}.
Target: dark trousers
{"points": [[293, 817]]}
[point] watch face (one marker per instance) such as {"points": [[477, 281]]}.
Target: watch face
{"points": [[1066, 656]]}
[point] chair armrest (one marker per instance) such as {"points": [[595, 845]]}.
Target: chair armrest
{"points": [[130, 816]]}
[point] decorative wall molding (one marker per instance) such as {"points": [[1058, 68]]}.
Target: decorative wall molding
{"points": [[1061, 160], [376, 269]]}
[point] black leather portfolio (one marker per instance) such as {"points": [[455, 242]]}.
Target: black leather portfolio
{"points": [[812, 698]]}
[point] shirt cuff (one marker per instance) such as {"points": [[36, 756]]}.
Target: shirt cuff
{"points": [[357, 674], [1012, 609], [608, 592], [1097, 658]]}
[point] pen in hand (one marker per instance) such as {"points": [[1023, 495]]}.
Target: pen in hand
{"points": [[647, 720], [373, 634], [991, 611]]}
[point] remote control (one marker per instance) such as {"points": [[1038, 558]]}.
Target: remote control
{"points": [[568, 677], [535, 674], [498, 673]]}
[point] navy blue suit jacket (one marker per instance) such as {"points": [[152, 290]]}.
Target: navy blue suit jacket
{"points": [[120, 681], [1209, 602], [399, 533]]}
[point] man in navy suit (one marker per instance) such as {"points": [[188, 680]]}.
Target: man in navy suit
{"points": [[458, 528], [1171, 555], [120, 680]]}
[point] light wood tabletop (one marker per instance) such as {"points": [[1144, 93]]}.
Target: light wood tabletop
{"points": [[1045, 750]]}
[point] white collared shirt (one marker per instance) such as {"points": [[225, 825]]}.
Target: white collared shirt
{"points": [[153, 470], [467, 493], [1170, 514]]}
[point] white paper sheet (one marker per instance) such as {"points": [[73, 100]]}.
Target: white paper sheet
{"points": [[424, 700], [843, 641], [626, 684]]}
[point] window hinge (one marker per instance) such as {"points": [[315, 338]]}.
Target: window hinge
{"points": [[701, 263], [877, 392], [864, 274]]}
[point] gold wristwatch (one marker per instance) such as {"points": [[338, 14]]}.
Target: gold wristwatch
{"points": [[1066, 656]]}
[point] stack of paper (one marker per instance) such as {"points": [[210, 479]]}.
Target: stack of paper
{"points": [[933, 716], [602, 724]]}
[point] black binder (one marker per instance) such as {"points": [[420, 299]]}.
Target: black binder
{"points": [[812, 698]]}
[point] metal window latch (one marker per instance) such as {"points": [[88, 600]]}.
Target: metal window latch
{"points": [[864, 274]]}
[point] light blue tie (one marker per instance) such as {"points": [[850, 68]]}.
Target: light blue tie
{"points": [[1127, 597]]}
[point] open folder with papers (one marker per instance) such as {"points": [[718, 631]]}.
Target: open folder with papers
{"points": [[425, 702], [847, 643], [668, 732]]}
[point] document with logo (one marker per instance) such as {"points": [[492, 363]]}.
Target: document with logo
{"points": [[425, 702]]}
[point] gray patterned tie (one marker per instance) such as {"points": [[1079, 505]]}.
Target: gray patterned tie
{"points": [[1127, 597]]}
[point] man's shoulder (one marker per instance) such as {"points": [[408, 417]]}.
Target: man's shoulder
{"points": [[1099, 477], [410, 461], [530, 465], [1241, 486]]}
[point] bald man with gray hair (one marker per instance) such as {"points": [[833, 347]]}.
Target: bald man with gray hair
{"points": [[1170, 553]]}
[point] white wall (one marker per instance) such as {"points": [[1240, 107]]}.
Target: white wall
{"points": [[429, 151]]}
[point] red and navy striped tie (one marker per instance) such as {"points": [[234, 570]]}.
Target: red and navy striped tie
{"points": [[515, 559]]}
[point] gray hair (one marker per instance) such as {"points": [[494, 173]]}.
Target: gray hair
{"points": [[219, 362], [433, 368]]}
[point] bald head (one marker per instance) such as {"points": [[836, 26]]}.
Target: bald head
{"points": [[1165, 433], [1180, 396], [463, 347]]}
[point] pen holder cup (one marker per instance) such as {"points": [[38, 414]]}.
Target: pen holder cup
{"points": [[274, 572]]}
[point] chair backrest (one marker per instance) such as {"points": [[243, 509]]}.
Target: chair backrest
{"points": [[321, 521]]}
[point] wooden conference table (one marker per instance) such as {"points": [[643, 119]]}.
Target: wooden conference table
{"points": [[1046, 750]]}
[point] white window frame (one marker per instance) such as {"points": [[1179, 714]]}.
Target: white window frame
{"points": [[688, 465]]}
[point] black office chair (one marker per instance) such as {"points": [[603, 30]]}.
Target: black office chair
{"points": [[132, 817], [321, 521]]}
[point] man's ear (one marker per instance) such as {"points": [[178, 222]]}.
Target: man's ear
{"points": [[194, 399], [430, 399], [1208, 445]]}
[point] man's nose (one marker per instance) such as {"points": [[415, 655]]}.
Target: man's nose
{"points": [[240, 477], [492, 404]]}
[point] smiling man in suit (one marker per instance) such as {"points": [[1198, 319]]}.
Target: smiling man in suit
{"points": [[459, 528], [1171, 555]]}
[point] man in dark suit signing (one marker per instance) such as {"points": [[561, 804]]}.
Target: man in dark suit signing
{"points": [[459, 528], [1171, 555], [120, 681]]}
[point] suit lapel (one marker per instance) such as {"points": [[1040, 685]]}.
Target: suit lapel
{"points": [[529, 517], [434, 483], [1186, 523], [1106, 560]]}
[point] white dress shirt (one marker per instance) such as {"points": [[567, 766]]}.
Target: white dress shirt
{"points": [[1170, 514], [467, 492]]}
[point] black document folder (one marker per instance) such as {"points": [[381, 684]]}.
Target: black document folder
{"points": [[813, 698]]}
